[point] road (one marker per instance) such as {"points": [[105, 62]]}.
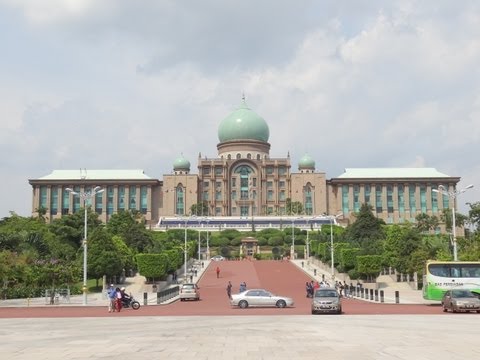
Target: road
{"points": [[280, 277]]}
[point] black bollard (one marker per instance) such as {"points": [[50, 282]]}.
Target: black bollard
{"points": [[159, 299], [361, 293], [382, 296], [397, 297], [371, 294], [145, 298], [315, 272], [376, 295]]}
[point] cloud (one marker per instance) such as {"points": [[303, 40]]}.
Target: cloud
{"points": [[132, 85]]}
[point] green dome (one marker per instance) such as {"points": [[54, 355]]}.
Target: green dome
{"points": [[306, 162], [181, 164], [243, 124]]}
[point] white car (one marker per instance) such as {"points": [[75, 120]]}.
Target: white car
{"points": [[260, 297], [218, 258]]}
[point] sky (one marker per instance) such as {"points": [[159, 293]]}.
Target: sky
{"points": [[118, 84]]}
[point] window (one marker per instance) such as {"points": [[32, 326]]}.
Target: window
{"points": [[254, 182], [179, 201], [445, 199], [121, 198], [99, 203], [269, 184], [229, 157], [43, 197], [249, 156], [234, 182], [109, 200], [434, 202], [345, 207], [390, 199], [143, 199], [132, 198], [234, 195], [218, 195], [218, 211], [378, 199], [205, 195], [218, 184], [368, 193], [281, 183], [423, 198], [282, 170], [401, 199], [54, 200], [65, 201], [206, 183], [218, 170], [76, 199], [356, 198], [269, 170], [412, 200], [206, 170], [239, 156], [270, 195], [258, 156], [307, 199], [282, 195]]}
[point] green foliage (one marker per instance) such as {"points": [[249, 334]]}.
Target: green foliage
{"points": [[230, 234], [369, 265], [130, 226], [275, 241], [153, 266], [293, 207], [323, 251], [348, 258], [401, 242], [225, 251], [366, 232], [199, 209], [104, 257], [426, 222], [262, 241]]}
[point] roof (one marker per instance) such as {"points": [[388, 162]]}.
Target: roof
{"points": [[382, 173], [81, 174]]}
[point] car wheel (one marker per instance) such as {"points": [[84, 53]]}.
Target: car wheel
{"points": [[453, 309], [444, 308], [313, 312], [478, 311], [339, 311], [182, 299], [281, 303], [243, 304]]}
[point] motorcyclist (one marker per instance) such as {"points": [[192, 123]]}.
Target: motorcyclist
{"points": [[125, 297]]}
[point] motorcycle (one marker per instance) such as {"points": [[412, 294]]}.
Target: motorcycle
{"points": [[130, 302]]}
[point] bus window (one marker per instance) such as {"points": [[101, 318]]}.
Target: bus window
{"points": [[438, 270]]}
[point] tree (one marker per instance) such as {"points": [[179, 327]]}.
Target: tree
{"points": [[293, 207], [104, 258], [199, 209], [366, 232], [426, 222], [401, 241], [130, 227], [474, 214]]}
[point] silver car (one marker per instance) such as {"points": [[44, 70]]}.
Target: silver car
{"points": [[260, 297], [460, 300], [326, 300]]}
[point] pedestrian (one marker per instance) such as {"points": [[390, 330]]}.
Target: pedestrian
{"points": [[191, 278], [118, 299], [196, 272], [112, 295], [243, 287], [229, 290], [218, 272]]}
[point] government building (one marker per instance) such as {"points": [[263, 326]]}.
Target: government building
{"points": [[244, 182]]}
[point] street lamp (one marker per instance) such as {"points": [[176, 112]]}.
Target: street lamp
{"points": [[308, 242], [185, 220], [207, 220], [85, 195], [292, 252], [452, 194], [332, 253]]}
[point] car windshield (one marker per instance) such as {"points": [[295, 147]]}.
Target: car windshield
{"points": [[188, 286], [462, 294], [325, 293]]}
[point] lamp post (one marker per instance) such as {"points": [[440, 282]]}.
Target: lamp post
{"points": [[85, 195], [292, 252], [207, 220], [185, 219], [332, 252], [453, 195], [308, 242]]}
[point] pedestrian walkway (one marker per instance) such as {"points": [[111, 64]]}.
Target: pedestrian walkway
{"points": [[406, 296], [133, 285]]}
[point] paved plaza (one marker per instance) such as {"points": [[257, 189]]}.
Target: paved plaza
{"points": [[247, 337]]}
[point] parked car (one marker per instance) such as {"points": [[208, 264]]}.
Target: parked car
{"points": [[189, 292], [326, 300], [260, 297], [460, 300], [218, 258]]}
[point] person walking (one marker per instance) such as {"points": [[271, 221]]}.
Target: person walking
{"points": [[118, 299], [218, 272], [112, 295], [229, 290], [243, 287]]}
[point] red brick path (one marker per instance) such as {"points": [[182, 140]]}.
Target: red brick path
{"points": [[280, 277]]}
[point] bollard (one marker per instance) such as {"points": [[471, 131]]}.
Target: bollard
{"points": [[315, 272], [145, 298], [382, 296], [397, 297], [371, 294], [376, 295], [361, 293]]}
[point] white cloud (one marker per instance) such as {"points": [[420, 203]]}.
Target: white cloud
{"points": [[103, 84]]}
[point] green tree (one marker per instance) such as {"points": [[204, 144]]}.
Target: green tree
{"points": [[104, 257], [426, 222], [400, 243], [199, 209], [366, 232], [130, 226], [293, 207]]}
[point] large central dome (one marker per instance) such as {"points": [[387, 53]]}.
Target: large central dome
{"points": [[243, 124]]}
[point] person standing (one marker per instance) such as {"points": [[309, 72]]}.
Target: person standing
{"points": [[229, 290], [243, 287], [118, 299], [112, 295], [218, 272]]}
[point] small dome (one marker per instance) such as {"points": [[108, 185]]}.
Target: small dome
{"points": [[243, 124], [181, 164], [306, 162]]}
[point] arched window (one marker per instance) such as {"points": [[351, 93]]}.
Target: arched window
{"points": [[229, 157], [258, 156], [179, 200], [249, 156], [308, 199], [239, 156]]}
